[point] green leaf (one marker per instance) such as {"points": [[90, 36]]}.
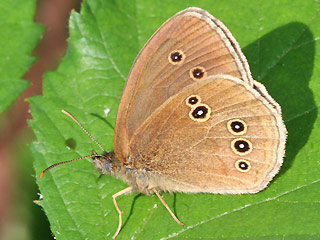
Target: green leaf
{"points": [[18, 37], [281, 42]]}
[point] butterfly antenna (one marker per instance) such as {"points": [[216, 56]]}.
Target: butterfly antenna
{"points": [[76, 159], [85, 130], [69, 161]]}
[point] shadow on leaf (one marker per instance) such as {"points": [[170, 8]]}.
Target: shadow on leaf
{"points": [[283, 61]]}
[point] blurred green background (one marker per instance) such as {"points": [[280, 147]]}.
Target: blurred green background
{"points": [[20, 218]]}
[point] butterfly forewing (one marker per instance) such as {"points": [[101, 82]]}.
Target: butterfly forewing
{"points": [[188, 47]]}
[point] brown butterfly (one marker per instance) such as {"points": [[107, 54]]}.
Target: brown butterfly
{"points": [[191, 118]]}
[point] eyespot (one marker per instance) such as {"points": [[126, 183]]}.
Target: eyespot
{"points": [[193, 100], [237, 127], [200, 113], [241, 146], [176, 57], [197, 73], [243, 165]]}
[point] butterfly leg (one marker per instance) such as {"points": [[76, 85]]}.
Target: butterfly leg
{"points": [[114, 196], [166, 206]]}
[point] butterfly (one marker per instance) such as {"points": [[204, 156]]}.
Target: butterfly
{"points": [[191, 118]]}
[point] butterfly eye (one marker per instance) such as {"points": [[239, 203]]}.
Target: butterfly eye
{"points": [[193, 100], [198, 73], [241, 146], [243, 165], [176, 57], [200, 113], [237, 127]]}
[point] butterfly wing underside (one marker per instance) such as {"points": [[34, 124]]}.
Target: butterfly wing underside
{"points": [[218, 135], [202, 41]]}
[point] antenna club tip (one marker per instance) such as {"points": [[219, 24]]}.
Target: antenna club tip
{"points": [[41, 175], [68, 114]]}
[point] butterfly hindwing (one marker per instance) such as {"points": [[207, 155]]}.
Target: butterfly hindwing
{"points": [[217, 135]]}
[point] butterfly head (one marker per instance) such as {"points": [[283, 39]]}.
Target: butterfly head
{"points": [[106, 163]]}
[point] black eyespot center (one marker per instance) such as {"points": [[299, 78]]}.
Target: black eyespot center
{"points": [[176, 56], [237, 126], [242, 146], [200, 112], [193, 100], [198, 73], [243, 165]]}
